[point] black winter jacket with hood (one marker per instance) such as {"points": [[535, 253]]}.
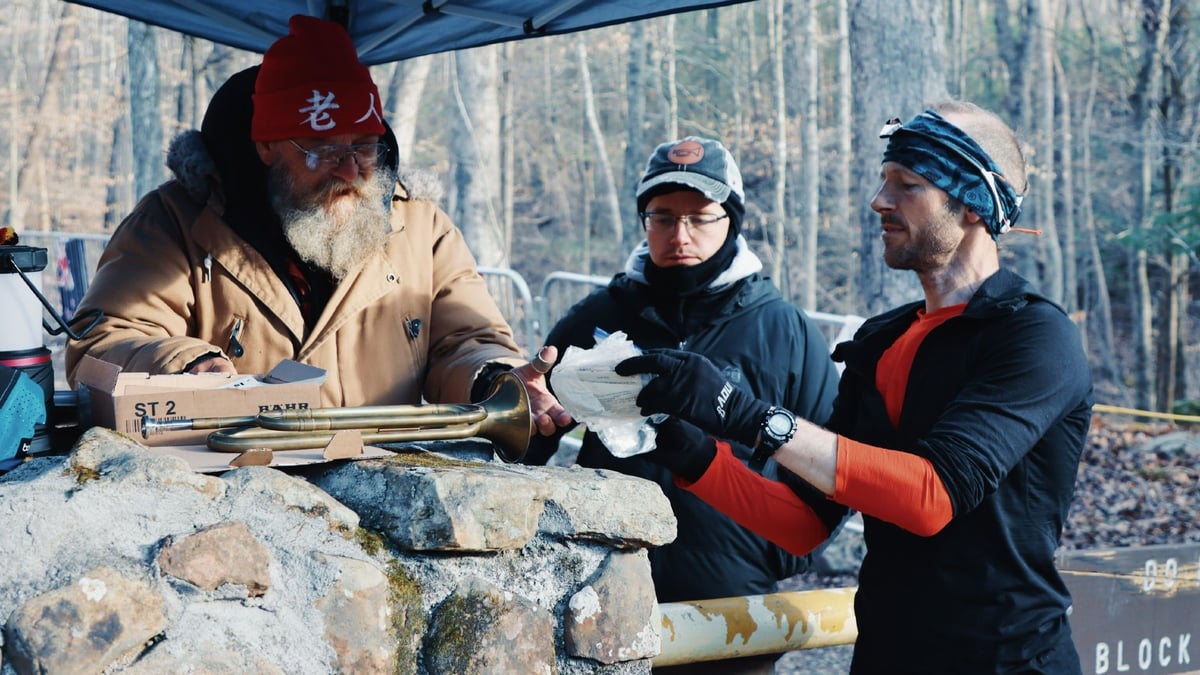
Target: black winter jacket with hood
{"points": [[999, 401], [763, 344]]}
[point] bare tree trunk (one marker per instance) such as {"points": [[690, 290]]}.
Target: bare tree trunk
{"points": [[778, 239], [13, 213], [636, 149], [606, 174], [507, 147], [1014, 50], [810, 142], [1017, 42], [1181, 269], [1141, 301], [115, 207], [585, 216], [1044, 176], [956, 81], [742, 77], [201, 93], [475, 141], [845, 202], [1178, 121], [218, 67], [404, 93], [1103, 320], [558, 199], [1067, 190], [1154, 31], [189, 104], [672, 91], [144, 112], [897, 47], [64, 36]]}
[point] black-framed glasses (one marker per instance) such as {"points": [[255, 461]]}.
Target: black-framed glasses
{"points": [[366, 155], [661, 222]]}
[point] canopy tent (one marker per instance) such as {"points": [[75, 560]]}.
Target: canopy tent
{"points": [[391, 30]]}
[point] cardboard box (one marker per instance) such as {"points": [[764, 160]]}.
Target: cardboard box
{"points": [[119, 400]]}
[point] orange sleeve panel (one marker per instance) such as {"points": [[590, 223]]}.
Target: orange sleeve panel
{"points": [[766, 507], [897, 487]]}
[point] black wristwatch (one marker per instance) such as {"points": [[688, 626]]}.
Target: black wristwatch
{"points": [[778, 427]]}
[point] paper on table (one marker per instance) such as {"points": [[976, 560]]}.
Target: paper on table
{"points": [[287, 370]]}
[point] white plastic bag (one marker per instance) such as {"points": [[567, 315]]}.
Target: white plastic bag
{"points": [[587, 385]]}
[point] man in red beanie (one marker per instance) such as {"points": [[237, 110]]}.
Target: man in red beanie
{"points": [[290, 232]]}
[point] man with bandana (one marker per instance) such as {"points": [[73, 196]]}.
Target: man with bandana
{"points": [[289, 231], [956, 432], [694, 281]]}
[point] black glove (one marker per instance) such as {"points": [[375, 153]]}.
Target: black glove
{"points": [[682, 448], [690, 386]]}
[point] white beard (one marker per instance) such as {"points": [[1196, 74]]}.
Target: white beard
{"points": [[335, 233]]}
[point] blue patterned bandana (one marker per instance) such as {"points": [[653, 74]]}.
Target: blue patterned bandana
{"points": [[946, 156]]}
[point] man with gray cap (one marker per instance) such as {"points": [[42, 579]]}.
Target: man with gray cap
{"points": [[694, 283]]}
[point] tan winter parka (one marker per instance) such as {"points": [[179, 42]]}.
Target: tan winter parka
{"points": [[414, 322]]}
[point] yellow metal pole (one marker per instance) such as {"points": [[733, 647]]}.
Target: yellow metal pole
{"points": [[722, 628]]}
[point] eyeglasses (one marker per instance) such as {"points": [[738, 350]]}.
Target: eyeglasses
{"points": [[662, 223], [366, 155]]}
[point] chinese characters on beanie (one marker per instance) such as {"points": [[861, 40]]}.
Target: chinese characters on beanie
{"points": [[311, 84]]}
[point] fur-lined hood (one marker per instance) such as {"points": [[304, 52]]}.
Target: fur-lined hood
{"points": [[192, 164]]}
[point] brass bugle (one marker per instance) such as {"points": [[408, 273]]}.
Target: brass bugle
{"points": [[158, 425], [504, 418], [327, 419]]}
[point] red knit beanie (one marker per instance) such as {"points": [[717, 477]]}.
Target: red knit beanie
{"points": [[312, 84]]}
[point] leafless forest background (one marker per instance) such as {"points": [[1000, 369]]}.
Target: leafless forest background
{"points": [[539, 143]]}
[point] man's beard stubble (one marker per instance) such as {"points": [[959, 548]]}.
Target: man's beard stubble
{"points": [[337, 227], [930, 245]]}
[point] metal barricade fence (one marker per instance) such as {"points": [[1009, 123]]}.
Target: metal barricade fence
{"points": [[516, 303], [532, 317], [76, 253]]}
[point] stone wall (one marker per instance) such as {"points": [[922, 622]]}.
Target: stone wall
{"points": [[118, 559]]}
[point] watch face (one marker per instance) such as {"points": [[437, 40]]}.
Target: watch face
{"points": [[780, 424]]}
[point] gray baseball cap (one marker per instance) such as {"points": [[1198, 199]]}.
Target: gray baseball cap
{"points": [[701, 164]]}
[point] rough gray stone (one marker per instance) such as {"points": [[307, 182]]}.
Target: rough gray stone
{"points": [[85, 626], [481, 628], [1179, 443], [293, 493], [615, 618], [441, 507], [606, 506], [201, 659], [225, 553], [105, 455], [643, 667], [298, 586], [358, 617]]}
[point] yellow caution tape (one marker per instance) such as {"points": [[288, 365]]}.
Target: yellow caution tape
{"points": [[1100, 407]]}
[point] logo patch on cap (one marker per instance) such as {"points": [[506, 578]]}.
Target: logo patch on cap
{"points": [[686, 152]]}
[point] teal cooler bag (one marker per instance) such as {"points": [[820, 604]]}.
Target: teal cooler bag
{"points": [[22, 409]]}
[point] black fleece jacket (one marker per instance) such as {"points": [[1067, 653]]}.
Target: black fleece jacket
{"points": [[999, 400]]}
